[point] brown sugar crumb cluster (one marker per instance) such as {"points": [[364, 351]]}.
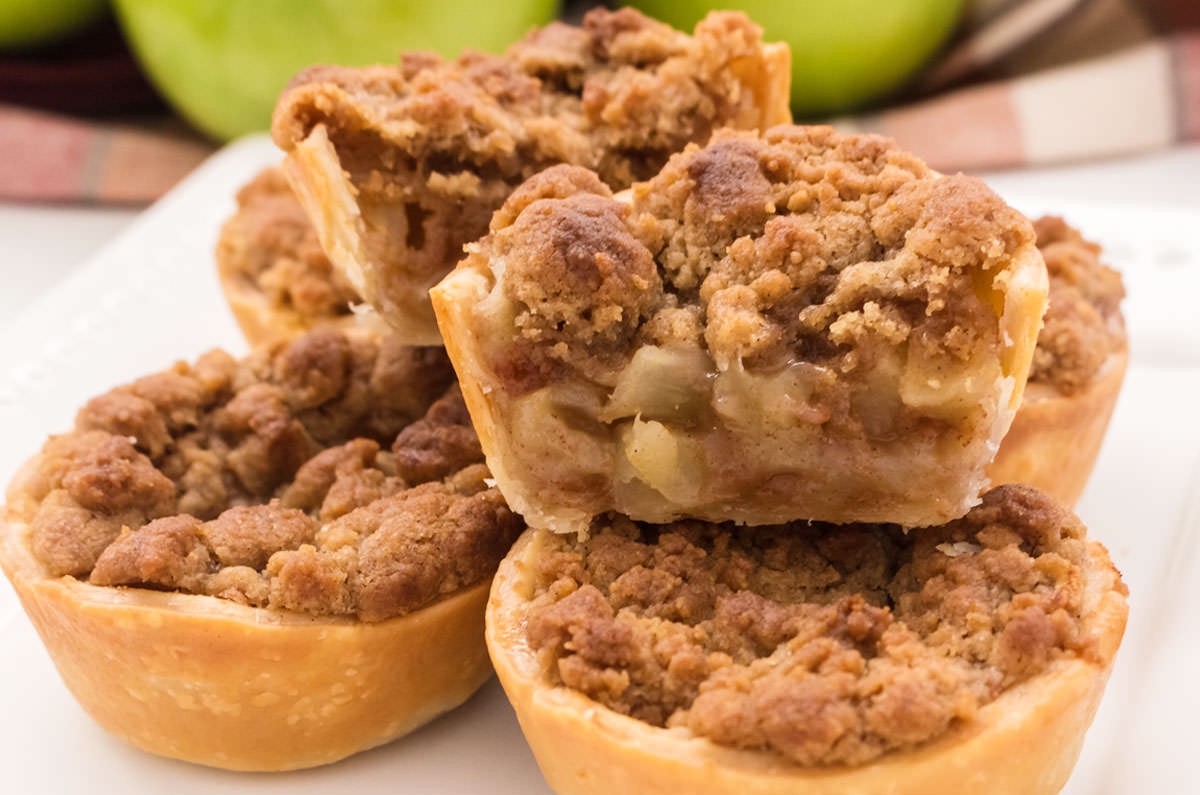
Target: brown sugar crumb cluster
{"points": [[270, 245], [829, 644], [448, 140], [804, 243], [1083, 323], [333, 475]]}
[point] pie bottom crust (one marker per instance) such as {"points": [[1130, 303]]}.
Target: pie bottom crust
{"points": [[1055, 439], [1026, 741], [213, 682]]}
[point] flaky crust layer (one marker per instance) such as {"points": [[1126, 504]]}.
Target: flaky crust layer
{"points": [[1025, 741], [328, 195], [1055, 438], [209, 681]]}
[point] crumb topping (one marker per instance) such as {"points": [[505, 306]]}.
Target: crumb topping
{"points": [[270, 243], [1083, 323], [802, 245], [443, 143], [270, 482], [801, 240], [829, 644]]}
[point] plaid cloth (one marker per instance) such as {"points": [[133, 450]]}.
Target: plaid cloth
{"points": [[1033, 82], [1025, 82], [47, 157]]}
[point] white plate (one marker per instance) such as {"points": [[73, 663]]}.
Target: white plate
{"points": [[151, 297]]}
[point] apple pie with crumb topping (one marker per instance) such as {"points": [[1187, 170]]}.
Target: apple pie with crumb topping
{"points": [[824, 659], [400, 166], [802, 324], [264, 564]]}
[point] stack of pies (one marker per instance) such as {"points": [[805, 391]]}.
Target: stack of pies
{"points": [[747, 410], [728, 402]]}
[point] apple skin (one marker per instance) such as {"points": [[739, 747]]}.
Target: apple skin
{"points": [[845, 53], [223, 63], [28, 23]]}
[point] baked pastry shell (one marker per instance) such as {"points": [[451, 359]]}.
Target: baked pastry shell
{"points": [[1025, 741], [1055, 438], [213, 682]]}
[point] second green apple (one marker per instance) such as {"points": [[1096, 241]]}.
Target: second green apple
{"points": [[223, 63], [845, 53]]}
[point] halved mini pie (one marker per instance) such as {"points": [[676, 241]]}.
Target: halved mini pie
{"points": [[400, 166], [802, 324], [1078, 366], [822, 659], [267, 564], [273, 271]]}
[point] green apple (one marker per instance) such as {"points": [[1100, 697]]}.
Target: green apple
{"points": [[27, 23], [223, 63], [845, 53]]}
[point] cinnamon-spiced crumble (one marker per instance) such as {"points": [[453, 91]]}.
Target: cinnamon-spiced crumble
{"points": [[332, 475]]}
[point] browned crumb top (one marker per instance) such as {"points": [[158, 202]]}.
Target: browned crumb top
{"points": [[800, 245], [830, 644], [451, 139], [1083, 322], [270, 244], [270, 482]]}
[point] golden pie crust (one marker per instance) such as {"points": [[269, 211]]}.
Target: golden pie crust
{"points": [[400, 166], [1027, 740], [213, 682]]}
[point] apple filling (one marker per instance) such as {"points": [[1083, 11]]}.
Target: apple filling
{"points": [[825, 644], [267, 482], [805, 324], [400, 166]]}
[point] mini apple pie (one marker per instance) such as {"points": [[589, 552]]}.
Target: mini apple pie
{"points": [[799, 325], [275, 276], [1078, 367], [267, 564], [822, 659], [400, 166]]}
